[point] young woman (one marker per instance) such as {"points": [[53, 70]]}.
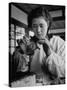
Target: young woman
{"points": [[50, 59]]}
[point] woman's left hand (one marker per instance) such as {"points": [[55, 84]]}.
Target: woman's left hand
{"points": [[46, 46]]}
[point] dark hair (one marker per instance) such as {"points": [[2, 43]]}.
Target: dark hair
{"points": [[40, 11]]}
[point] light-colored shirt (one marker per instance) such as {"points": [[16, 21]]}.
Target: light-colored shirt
{"points": [[55, 62]]}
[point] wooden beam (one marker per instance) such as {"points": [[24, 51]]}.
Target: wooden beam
{"points": [[18, 23], [58, 18], [16, 5], [56, 31]]}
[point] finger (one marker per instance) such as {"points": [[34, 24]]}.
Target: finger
{"points": [[42, 41]]}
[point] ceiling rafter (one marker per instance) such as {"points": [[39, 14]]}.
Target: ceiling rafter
{"points": [[20, 8]]}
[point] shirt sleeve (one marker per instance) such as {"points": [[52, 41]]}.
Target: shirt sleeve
{"points": [[56, 61]]}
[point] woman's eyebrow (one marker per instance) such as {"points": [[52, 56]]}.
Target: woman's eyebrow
{"points": [[41, 24], [34, 24], [38, 24]]}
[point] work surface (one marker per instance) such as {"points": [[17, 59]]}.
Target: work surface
{"points": [[31, 80], [26, 81], [34, 80]]}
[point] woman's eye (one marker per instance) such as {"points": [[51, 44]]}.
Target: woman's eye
{"points": [[34, 26], [41, 25]]}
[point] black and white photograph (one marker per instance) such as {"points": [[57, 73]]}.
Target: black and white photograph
{"points": [[36, 44]]}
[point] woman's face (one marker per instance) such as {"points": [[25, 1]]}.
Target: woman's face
{"points": [[40, 26]]}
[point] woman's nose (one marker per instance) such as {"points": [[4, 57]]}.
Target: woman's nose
{"points": [[38, 29]]}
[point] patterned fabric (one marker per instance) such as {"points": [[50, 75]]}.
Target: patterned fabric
{"points": [[20, 61]]}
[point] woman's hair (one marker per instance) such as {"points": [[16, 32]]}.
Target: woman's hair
{"points": [[38, 12]]}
